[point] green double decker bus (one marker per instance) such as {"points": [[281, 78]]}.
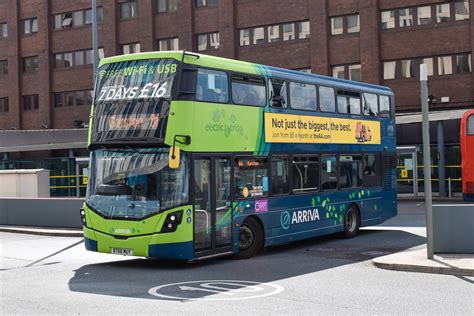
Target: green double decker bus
{"points": [[195, 156]]}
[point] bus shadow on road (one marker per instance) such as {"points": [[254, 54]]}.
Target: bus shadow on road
{"points": [[144, 278]]}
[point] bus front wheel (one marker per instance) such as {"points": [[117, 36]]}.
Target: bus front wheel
{"points": [[250, 238], [351, 221]]}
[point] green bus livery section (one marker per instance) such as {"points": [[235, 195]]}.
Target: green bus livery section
{"points": [[195, 156]]}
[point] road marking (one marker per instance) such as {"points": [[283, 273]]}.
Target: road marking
{"points": [[215, 290]]}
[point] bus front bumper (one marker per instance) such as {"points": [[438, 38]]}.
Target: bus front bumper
{"points": [[152, 246]]}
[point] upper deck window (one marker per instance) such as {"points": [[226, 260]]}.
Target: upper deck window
{"points": [[278, 93], [385, 106], [212, 86], [303, 96], [370, 104], [348, 102], [470, 125], [248, 90], [327, 99]]}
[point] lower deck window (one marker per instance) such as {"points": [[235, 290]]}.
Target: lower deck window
{"points": [[328, 172], [350, 171], [305, 174], [251, 177]]}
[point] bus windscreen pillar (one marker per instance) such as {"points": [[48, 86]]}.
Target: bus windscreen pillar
{"points": [[441, 160], [426, 159]]}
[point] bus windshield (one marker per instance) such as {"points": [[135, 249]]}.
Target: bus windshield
{"points": [[132, 99], [134, 183]]}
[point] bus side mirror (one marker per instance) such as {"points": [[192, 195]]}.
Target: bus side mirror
{"points": [[174, 155]]}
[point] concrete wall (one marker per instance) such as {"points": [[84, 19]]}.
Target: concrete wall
{"points": [[41, 212], [453, 228]]}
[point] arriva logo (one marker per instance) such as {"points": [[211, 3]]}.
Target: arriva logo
{"points": [[285, 219], [298, 217]]}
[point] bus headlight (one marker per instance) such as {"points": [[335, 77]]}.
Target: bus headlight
{"points": [[83, 216], [172, 221]]}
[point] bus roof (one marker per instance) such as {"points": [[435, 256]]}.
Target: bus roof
{"points": [[250, 68]]}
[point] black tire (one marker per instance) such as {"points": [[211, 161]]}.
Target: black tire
{"points": [[250, 238], [351, 221]]}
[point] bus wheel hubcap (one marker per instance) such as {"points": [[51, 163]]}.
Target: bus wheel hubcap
{"points": [[350, 220], [246, 237]]}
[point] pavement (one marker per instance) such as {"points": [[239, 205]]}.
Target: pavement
{"points": [[415, 260]]}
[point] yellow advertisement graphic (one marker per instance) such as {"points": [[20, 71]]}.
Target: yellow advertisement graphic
{"points": [[289, 128]]}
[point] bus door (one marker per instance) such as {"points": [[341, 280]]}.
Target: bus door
{"points": [[212, 205]]}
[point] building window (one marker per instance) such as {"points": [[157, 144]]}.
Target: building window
{"points": [[166, 6], [4, 105], [337, 25], [209, 41], [303, 30], [30, 64], [244, 37], [405, 17], [424, 15], [303, 96], [205, 3], [30, 102], [443, 13], [389, 68], [202, 42], [407, 69], [429, 65], [130, 48], [212, 86], [168, 44], [73, 98], [463, 63], [461, 10], [353, 25], [3, 29], [76, 18], [30, 26], [258, 35], [305, 174], [273, 33], [338, 72], [305, 70], [388, 19], [3, 67], [288, 31], [128, 9], [76, 58], [355, 72], [445, 65], [345, 24], [215, 41], [88, 16]]}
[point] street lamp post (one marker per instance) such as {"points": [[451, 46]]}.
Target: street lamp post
{"points": [[95, 45], [426, 159]]}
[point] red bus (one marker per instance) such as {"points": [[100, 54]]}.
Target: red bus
{"points": [[467, 155]]}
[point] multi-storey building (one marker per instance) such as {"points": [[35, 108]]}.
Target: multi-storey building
{"points": [[45, 47]]}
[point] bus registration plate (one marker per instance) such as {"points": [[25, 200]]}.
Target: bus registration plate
{"points": [[122, 251]]}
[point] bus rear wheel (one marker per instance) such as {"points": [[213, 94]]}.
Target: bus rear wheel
{"points": [[250, 238], [351, 221]]}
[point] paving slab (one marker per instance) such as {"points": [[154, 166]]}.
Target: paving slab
{"points": [[415, 260], [45, 231]]}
